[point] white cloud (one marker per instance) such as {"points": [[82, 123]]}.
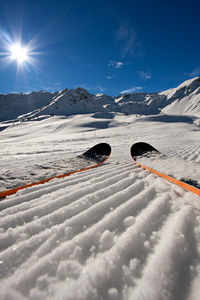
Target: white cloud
{"points": [[84, 86], [100, 88], [111, 76], [133, 90], [127, 38], [116, 64], [51, 87], [193, 73], [144, 75], [93, 88]]}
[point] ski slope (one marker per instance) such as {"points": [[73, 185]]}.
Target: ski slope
{"points": [[113, 232]]}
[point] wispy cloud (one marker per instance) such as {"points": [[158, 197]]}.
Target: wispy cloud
{"points": [[116, 64], [132, 90], [50, 86], [84, 86], [110, 76], [193, 73], [100, 88], [127, 38], [144, 75], [96, 88]]}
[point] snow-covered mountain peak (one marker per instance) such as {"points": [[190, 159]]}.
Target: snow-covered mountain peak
{"points": [[184, 89], [190, 86], [63, 91], [79, 94], [182, 100], [191, 83], [134, 97], [71, 102], [81, 90], [99, 95]]}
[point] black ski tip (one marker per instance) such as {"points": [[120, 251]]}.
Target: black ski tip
{"points": [[98, 152], [141, 148]]}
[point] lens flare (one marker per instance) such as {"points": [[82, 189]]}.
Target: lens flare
{"points": [[19, 53], [15, 51]]}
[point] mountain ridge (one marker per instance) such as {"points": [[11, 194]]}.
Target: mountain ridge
{"points": [[182, 100]]}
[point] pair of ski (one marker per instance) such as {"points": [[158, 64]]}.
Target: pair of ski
{"points": [[98, 154]]}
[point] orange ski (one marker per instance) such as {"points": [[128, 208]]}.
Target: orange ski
{"points": [[92, 158], [142, 149]]}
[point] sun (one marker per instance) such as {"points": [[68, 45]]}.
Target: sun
{"points": [[19, 53]]}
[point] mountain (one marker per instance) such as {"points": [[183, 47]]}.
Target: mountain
{"points": [[185, 99], [14, 105], [182, 100], [71, 102]]}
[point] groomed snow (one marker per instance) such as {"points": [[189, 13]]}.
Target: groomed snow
{"points": [[187, 171], [113, 232]]}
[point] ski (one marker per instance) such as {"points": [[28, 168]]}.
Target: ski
{"points": [[91, 158], [149, 158]]}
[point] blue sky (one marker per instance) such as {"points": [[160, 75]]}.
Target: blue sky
{"points": [[104, 46]]}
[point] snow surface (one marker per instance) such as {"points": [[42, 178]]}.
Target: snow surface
{"points": [[176, 167], [113, 232]]}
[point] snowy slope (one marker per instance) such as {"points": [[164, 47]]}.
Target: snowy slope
{"points": [[183, 100], [114, 232], [15, 105]]}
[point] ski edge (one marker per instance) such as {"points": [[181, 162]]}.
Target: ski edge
{"points": [[15, 190], [169, 178]]}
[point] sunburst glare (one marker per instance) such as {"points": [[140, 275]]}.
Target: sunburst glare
{"points": [[15, 52], [19, 53]]}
